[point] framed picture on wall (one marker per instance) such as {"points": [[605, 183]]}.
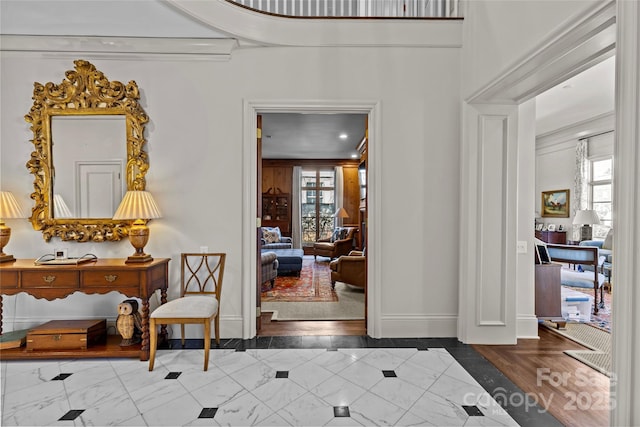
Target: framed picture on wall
{"points": [[555, 204]]}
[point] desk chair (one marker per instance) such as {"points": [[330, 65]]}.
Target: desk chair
{"points": [[201, 283]]}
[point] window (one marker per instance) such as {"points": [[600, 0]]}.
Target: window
{"points": [[317, 200], [601, 194]]}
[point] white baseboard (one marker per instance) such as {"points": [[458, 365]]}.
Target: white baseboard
{"points": [[419, 326], [527, 327]]}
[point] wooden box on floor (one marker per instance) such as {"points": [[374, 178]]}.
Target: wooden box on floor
{"points": [[67, 334]]}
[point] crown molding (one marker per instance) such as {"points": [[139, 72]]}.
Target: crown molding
{"points": [[176, 48], [580, 44], [572, 133]]}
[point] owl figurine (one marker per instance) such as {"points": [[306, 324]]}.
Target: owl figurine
{"points": [[129, 322]]}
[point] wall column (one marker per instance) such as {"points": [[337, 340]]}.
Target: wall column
{"points": [[488, 205]]}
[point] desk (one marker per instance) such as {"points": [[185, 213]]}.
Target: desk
{"points": [[99, 277]]}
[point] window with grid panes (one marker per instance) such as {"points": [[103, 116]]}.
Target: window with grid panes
{"points": [[601, 194], [317, 198]]}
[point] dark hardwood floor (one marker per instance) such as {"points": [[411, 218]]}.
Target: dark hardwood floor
{"points": [[310, 327], [574, 393]]}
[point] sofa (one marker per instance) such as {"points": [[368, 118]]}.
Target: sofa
{"points": [[272, 238], [571, 275], [604, 250], [350, 269], [340, 243], [269, 268]]}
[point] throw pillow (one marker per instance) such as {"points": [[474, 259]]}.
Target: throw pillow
{"points": [[270, 236], [335, 236], [344, 233]]}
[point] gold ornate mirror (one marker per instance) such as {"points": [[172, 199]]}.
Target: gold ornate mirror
{"points": [[88, 135]]}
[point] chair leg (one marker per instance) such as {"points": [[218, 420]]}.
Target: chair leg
{"points": [[153, 342], [182, 333], [217, 329], [207, 342]]}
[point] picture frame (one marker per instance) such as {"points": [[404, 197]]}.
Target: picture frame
{"points": [[539, 227], [555, 204], [551, 227]]}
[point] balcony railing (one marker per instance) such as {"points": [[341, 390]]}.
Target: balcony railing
{"points": [[411, 9]]}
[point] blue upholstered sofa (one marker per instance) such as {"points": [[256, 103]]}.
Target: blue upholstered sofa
{"points": [[571, 275]]}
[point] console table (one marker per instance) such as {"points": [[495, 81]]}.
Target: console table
{"points": [[96, 277]]}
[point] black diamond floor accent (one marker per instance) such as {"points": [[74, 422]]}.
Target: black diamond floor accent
{"points": [[71, 415], [208, 413], [341, 411], [61, 377], [282, 374], [172, 375], [473, 411], [389, 374]]}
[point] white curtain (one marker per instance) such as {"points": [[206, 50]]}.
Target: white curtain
{"points": [[338, 193], [580, 182], [296, 225]]}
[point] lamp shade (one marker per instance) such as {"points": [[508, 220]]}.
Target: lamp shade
{"points": [[586, 217], [60, 208], [137, 205], [9, 207], [341, 213]]}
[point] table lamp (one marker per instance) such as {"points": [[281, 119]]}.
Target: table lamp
{"points": [[140, 207], [9, 208], [586, 218], [341, 214]]}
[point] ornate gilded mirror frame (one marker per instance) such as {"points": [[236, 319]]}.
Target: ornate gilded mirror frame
{"points": [[84, 91]]}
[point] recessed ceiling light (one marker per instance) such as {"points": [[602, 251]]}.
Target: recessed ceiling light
{"points": [[354, 156], [343, 136]]}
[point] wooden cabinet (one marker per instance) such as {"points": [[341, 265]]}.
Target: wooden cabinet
{"points": [[557, 237], [99, 277], [276, 210], [548, 293]]}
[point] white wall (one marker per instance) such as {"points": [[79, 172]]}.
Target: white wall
{"points": [[195, 152]]}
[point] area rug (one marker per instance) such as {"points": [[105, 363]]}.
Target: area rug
{"points": [[349, 306], [598, 340], [313, 285]]}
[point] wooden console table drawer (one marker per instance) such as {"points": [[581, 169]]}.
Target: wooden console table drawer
{"points": [[50, 278], [9, 279], [110, 278]]}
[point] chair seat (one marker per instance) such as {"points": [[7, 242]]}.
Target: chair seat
{"points": [[187, 307]]}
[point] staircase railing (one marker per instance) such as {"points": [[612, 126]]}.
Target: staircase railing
{"points": [[411, 9]]}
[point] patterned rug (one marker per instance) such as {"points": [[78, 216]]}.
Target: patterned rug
{"points": [[313, 285]]}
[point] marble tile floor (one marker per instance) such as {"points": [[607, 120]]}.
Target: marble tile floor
{"points": [[272, 381]]}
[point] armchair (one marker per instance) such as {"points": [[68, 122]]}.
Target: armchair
{"points": [[604, 250], [340, 243], [269, 267], [350, 269]]}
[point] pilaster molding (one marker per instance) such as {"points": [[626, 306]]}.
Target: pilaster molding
{"points": [[625, 385], [489, 227]]}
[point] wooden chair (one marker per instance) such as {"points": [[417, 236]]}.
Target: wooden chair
{"points": [[201, 284]]}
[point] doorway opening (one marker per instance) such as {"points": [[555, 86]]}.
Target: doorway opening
{"points": [[309, 188]]}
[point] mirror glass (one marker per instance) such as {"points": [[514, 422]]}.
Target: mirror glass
{"points": [[88, 138], [89, 159]]}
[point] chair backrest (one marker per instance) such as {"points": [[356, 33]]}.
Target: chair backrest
{"points": [[202, 273]]}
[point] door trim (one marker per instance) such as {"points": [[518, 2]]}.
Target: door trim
{"points": [[251, 109]]}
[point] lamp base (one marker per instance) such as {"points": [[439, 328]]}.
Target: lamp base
{"points": [[6, 258], [138, 258], [586, 232]]}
